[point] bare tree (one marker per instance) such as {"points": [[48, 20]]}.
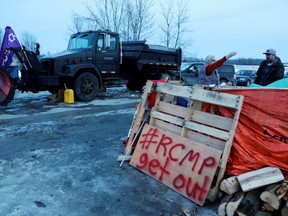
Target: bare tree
{"points": [[77, 23], [132, 18], [182, 20], [28, 40], [168, 15], [106, 14], [141, 18], [175, 24]]}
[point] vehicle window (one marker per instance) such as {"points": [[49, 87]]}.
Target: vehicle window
{"points": [[112, 42], [100, 42], [247, 73], [79, 41]]}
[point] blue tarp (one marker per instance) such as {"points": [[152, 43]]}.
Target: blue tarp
{"points": [[283, 83]]}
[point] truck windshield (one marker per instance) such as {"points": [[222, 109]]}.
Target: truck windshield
{"points": [[80, 41]]}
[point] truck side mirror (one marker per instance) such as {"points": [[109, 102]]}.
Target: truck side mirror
{"points": [[107, 41]]}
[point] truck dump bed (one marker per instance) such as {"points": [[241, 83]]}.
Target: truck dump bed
{"points": [[138, 54]]}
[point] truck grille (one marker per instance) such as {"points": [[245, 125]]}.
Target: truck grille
{"points": [[48, 65]]}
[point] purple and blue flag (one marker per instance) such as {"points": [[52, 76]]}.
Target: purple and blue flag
{"points": [[9, 41]]}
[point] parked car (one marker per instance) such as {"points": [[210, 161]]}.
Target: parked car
{"points": [[245, 77], [189, 72]]}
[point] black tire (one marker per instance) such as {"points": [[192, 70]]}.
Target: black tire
{"points": [[248, 83], [86, 87], [223, 81]]}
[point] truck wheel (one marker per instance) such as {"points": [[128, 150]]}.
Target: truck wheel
{"points": [[86, 87], [223, 81]]}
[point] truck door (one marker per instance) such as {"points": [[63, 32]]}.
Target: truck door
{"points": [[107, 58]]}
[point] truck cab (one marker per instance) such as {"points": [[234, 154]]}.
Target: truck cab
{"points": [[92, 58], [103, 50]]}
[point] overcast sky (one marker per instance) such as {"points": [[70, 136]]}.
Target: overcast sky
{"points": [[218, 27]]}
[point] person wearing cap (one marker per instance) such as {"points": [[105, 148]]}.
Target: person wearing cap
{"points": [[270, 70], [208, 73]]}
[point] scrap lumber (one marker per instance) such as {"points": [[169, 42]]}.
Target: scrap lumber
{"points": [[124, 157], [258, 178], [199, 125], [274, 194], [138, 117], [234, 203], [250, 203], [284, 211], [222, 205], [196, 123], [267, 207], [230, 185]]}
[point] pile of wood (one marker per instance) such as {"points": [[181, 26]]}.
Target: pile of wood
{"points": [[275, 198], [260, 192]]}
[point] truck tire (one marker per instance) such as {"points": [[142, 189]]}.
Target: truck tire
{"points": [[223, 80], [86, 87]]}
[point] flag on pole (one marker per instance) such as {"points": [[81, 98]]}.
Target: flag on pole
{"points": [[9, 41]]}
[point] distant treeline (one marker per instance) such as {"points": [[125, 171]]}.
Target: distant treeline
{"points": [[239, 61]]}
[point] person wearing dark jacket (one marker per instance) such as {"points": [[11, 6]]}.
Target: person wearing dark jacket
{"points": [[270, 70], [36, 49]]}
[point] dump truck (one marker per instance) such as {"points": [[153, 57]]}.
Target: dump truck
{"points": [[95, 60]]}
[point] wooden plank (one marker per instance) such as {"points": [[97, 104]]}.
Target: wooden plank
{"points": [[172, 109], [230, 185], [168, 127], [184, 131], [197, 137], [138, 116], [206, 140], [226, 152], [207, 130], [258, 178], [166, 117], [183, 165], [124, 157], [213, 120], [198, 116], [223, 99]]}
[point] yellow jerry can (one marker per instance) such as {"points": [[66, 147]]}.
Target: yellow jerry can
{"points": [[69, 96]]}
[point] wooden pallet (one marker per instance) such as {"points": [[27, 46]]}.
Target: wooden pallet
{"points": [[193, 122]]}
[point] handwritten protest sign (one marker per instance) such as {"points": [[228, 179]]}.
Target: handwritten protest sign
{"points": [[187, 167]]}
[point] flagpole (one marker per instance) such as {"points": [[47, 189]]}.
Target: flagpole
{"points": [[24, 52]]}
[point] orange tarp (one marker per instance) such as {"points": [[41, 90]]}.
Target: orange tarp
{"points": [[261, 138]]}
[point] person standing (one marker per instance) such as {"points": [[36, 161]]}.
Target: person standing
{"points": [[36, 49], [270, 70], [208, 73]]}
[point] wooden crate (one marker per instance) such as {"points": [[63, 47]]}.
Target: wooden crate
{"points": [[193, 122]]}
